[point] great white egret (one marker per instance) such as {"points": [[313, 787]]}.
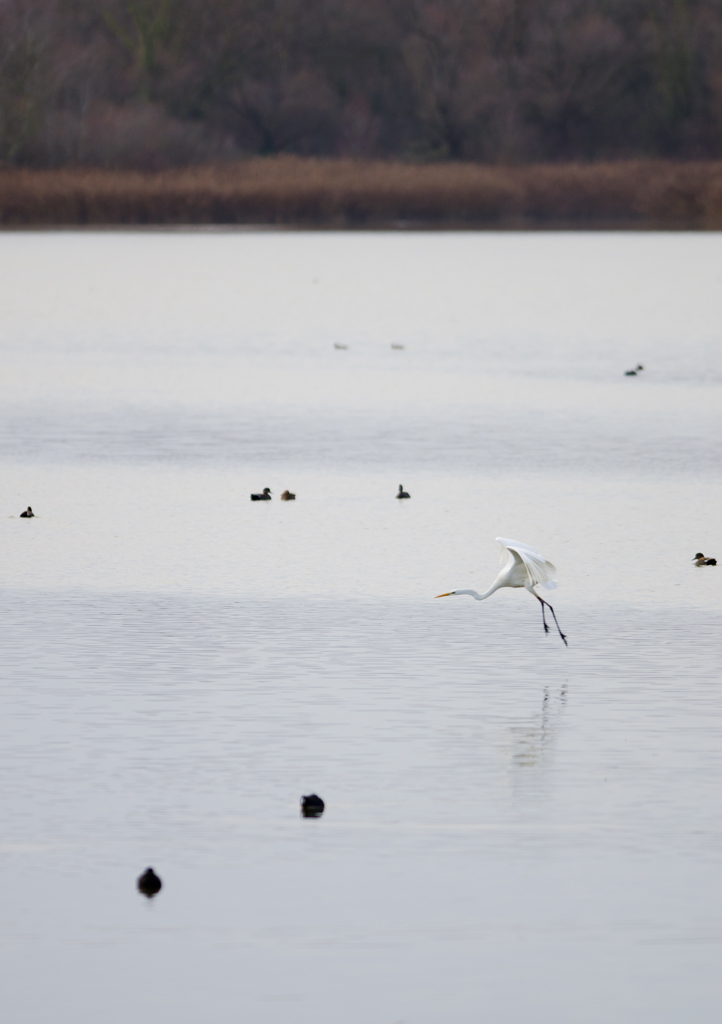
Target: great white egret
{"points": [[524, 567]]}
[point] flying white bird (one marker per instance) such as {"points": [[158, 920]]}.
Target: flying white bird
{"points": [[524, 567]]}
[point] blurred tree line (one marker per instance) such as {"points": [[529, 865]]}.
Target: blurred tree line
{"points": [[154, 83]]}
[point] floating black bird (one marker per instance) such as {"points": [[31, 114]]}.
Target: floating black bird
{"points": [[266, 496], [634, 372], [699, 559], [402, 493], [149, 883], [287, 496], [27, 514], [312, 806]]}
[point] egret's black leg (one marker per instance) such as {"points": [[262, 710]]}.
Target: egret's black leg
{"points": [[546, 627], [544, 618], [557, 625]]}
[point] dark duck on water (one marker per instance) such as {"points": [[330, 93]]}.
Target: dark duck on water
{"points": [[149, 883], [402, 493], [265, 496], [700, 559], [312, 806]]}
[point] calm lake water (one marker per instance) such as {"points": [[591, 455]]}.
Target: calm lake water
{"points": [[515, 832]]}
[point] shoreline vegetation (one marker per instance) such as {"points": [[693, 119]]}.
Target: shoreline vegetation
{"points": [[304, 192]]}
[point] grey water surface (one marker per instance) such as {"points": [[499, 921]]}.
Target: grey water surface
{"points": [[515, 832]]}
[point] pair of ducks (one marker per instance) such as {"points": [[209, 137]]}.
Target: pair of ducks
{"points": [[266, 495], [312, 806], [634, 372], [337, 344]]}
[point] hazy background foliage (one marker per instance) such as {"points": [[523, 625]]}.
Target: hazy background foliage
{"points": [[161, 83]]}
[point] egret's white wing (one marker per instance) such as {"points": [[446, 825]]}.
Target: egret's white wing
{"points": [[540, 570]]}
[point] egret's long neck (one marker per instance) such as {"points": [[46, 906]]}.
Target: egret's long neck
{"points": [[477, 596]]}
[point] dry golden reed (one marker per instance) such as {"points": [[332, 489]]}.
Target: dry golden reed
{"points": [[347, 193]]}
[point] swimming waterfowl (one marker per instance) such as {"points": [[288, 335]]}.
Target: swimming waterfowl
{"points": [[402, 493], [312, 806], [266, 496], [149, 883], [634, 372], [700, 559], [27, 514], [397, 346], [287, 496], [336, 344]]}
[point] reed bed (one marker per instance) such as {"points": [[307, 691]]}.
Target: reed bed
{"points": [[355, 193]]}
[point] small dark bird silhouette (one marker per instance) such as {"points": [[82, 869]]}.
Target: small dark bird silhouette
{"points": [[266, 496], [634, 372], [312, 806], [149, 883], [27, 514], [402, 493], [337, 345], [700, 559], [287, 496]]}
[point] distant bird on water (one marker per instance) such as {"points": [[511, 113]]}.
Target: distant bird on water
{"points": [[700, 559], [149, 883], [397, 346], [266, 496], [402, 493], [312, 806], [337, 344], [524, 567], [287, 496], [27, 514], [634, 372]]}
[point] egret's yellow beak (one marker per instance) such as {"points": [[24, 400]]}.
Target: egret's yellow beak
{"points": [[446, 595]]}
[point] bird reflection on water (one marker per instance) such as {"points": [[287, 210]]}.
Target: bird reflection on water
{"points": [[530, 743]]}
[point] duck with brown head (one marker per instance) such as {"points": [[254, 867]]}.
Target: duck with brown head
{"points": [[700, 559]]}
